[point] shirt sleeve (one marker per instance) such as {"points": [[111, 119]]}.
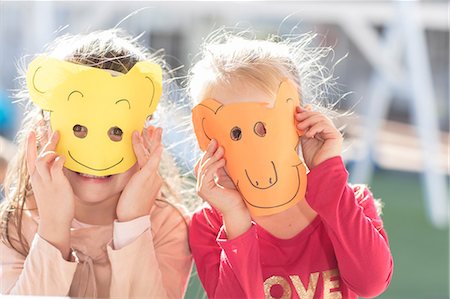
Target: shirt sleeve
{"points": [[126, 232], [42, 272], [223, 265], [354, 227], [154, 265]]}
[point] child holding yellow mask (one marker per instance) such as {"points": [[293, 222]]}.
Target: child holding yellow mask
{"points": [[86, 211], [272, 230]]}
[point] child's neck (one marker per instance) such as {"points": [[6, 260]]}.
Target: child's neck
{"points": [[289, 223], [99, 213]]}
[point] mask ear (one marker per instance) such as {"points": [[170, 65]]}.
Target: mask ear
{"points": [[201, 113], [43, 75], [288, 98], [152, 73], [287, 94]]}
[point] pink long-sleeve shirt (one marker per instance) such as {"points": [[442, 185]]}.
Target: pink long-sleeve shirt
{"points": [[342, 253], [145, 258]]}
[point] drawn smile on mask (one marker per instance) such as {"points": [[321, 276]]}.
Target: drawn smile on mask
{"points": [[96, 169]]}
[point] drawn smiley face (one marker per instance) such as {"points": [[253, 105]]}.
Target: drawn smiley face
{"points": [[260, 145], [94, 111]]}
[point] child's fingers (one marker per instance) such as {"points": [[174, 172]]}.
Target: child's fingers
{"points": [[213, 169], [139, 150], [153, 137], [56, 170], [31, 152], [208, 175], [210, 149], [307, 107], [206, 155], [152, 164], [148, 135], [196, 167], [305, 114], [44, 162], [326, 129], [221, 173], [212, 158], [158, 135], [156, 139], [310, 121], [52, 142], [218, 154], [316, 129]]}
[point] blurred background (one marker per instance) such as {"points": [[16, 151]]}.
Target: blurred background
{"points": [[395, 76]]}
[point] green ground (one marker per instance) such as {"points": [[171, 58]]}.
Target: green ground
{"points": [[420, 251]]}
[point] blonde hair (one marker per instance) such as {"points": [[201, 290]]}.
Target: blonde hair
{"points": [[109, 49], [227, 58]]}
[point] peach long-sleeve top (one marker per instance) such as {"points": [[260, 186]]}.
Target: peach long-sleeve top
{"points": [[153, 261]]}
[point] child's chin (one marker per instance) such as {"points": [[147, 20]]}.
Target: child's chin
{"points": [[90, 196]]}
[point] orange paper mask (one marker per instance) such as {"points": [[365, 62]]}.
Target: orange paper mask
{"points": [[260, 145]]}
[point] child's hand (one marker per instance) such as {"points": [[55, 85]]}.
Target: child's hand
{"points": [[52, 192], [216, 187], [321, 139], [144, 186], [213, 183]]}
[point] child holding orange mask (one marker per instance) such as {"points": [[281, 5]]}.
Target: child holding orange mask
{"points": [[270, 230]]}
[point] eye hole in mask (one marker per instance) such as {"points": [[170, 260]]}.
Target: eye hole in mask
{"points": [[115, 134], [236, 133], [260, 129], [80, 131]]}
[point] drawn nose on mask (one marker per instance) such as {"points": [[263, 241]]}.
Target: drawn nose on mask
{"points": [[263, 180]]}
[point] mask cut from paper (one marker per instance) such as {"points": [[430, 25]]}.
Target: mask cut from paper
{"points": [[260, 144], [94, 111]]}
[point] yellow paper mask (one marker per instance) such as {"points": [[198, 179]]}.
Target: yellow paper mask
{"points": [[260, 145], [88, 105]]}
